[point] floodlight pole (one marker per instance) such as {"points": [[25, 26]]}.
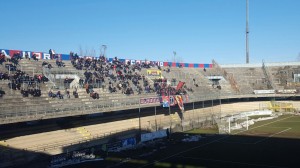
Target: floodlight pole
{"points": [[174, 53], [247, 32], [104, 48], [103, 51]]}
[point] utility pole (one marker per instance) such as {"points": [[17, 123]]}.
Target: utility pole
{"points": [[247, 32], [174, 53], [103, 50]]}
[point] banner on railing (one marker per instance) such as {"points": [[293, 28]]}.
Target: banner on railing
{"points": [[149, 100], [47, 55], [174, 99], [29, 54], [116, 146], [154, 73], [153, 135], [165, 101], [287, 91], [168, 101], [128, 143], [64, 76], [264, 91]]}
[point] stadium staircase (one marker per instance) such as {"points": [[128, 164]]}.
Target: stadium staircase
{"points": [[269, 77], [227, 76], [226, 87]]}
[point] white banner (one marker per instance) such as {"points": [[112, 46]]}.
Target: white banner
{"points": [[287, 91], [255, 113], [264, 91], [153, 135]]}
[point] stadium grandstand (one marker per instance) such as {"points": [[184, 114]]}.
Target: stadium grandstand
{"points": [[140, 96]]}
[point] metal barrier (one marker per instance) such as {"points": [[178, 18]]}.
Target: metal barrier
{"points": [[36, 112]]}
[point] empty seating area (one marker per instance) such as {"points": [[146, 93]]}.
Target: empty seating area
{"points": [[283, 76], [248, 79]]}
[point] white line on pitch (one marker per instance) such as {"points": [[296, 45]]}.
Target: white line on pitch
{"points": [[227, 161], [272, 135], [208, 143], [263, 125]]}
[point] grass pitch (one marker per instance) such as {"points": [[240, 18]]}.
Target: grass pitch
{"points": [[272, 143]]}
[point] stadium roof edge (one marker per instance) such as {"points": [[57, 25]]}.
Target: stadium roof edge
{"points": [[260, 64]]}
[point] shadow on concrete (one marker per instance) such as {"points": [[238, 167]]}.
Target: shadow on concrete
{"points": [[11, 157], [209, 151]]}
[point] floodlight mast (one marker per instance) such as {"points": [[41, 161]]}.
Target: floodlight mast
{"points": [[174, 53], [247, 32], [103, 50]]}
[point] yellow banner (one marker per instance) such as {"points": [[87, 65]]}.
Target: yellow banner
{"points": [[156, 73]]}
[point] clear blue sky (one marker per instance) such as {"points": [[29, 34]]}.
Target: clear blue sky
{"points": [[198, 30]]}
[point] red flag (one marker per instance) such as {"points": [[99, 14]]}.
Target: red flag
{"points": [[180, 85], [179, 102]]}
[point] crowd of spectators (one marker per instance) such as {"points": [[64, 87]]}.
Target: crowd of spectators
{"points": [[121, 77], [59, 94], [26, 84], [55, 95], [4, 76], [59, 63], [32, 83], [12, 61], [117, 76], [2, 58], [2, 92], [35, 92], [34, 57], [47, 64], [19, 80]]}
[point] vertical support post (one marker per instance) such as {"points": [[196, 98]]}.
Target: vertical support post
{"points": [[212, 105], [169, 92], [220, 101], [10, 80], [155, 118], [229, 120], [193, 114], [140, 127], [247, 124]]}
